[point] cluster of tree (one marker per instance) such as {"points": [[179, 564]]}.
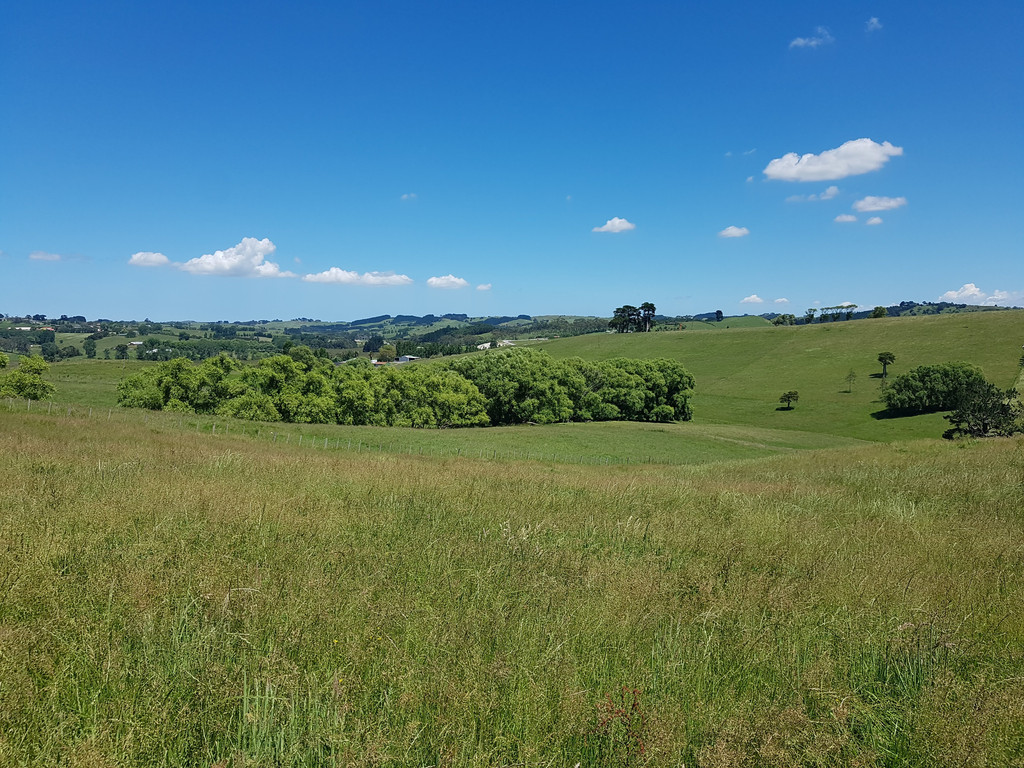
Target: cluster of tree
{"points": [[26, 380], [931, 388], [53, 353], [830, 314], [13, 340], [630, 319], [977, 407], [511, 386], [784, 319]]}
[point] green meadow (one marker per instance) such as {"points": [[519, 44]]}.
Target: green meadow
{"points": [[758, 587]]}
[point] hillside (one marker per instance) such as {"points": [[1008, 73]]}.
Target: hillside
{"points": [[741, 373]]}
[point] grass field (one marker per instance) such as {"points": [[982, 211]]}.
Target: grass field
{"points": [[175, 599], [740, 374], [813, 587]]}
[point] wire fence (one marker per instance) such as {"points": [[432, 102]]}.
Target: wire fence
{"points": [[314, 436]]}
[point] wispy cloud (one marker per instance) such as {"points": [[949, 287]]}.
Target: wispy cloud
{"points": [[851, 159], [484, 287], [828, 194], [409, 196], [874, 221], [148, 259], [447, 282], [346, 277], [820, 37], [872, 24], [45, 256], [873, 203], [781, 301], [969, 293], [844, 218], [247, 259], [733, 231], [615, 224], [752, 299]]}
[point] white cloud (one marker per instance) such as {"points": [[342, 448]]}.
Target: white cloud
{"points": [[44, 256], [873, 203], [247, 259], [873, 24], [782, 301], [448, 282], [851, 159], [874, 221], [732, 231], [969, 293], [750, 178], [148, 259], [750, 151], [615, 224], [484, 287], [845, 217], [345, 277], [752, 299], [820, 37], [828, 194], [409, 196]]}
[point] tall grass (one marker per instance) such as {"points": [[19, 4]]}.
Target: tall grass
{"points": [[169, 599]]}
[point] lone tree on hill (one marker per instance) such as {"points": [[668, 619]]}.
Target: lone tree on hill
{"points": [[788, 398], [886, 359]]}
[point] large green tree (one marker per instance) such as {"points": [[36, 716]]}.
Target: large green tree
{"points": [[27, 380], [931, 388], [983, 409]]}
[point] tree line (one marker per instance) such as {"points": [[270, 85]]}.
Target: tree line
{"points": [[513, 386]]}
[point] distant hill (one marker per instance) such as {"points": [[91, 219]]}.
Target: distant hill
{"points": [[741, 371]]}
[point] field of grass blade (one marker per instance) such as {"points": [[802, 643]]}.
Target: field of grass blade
{"points": [[171, 598]]}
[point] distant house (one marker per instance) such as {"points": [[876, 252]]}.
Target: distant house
{"points": [[407, 358], [135, 343], [485, 345], [23, 328], [506, 343]]}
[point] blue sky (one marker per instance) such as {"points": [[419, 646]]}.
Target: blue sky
{"points": [[339, 160]]}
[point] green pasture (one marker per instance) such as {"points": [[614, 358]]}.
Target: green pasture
{"points": [[740, 374]]}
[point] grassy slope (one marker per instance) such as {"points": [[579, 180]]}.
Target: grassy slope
{"points": [[740, 374], [177, 599]]}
